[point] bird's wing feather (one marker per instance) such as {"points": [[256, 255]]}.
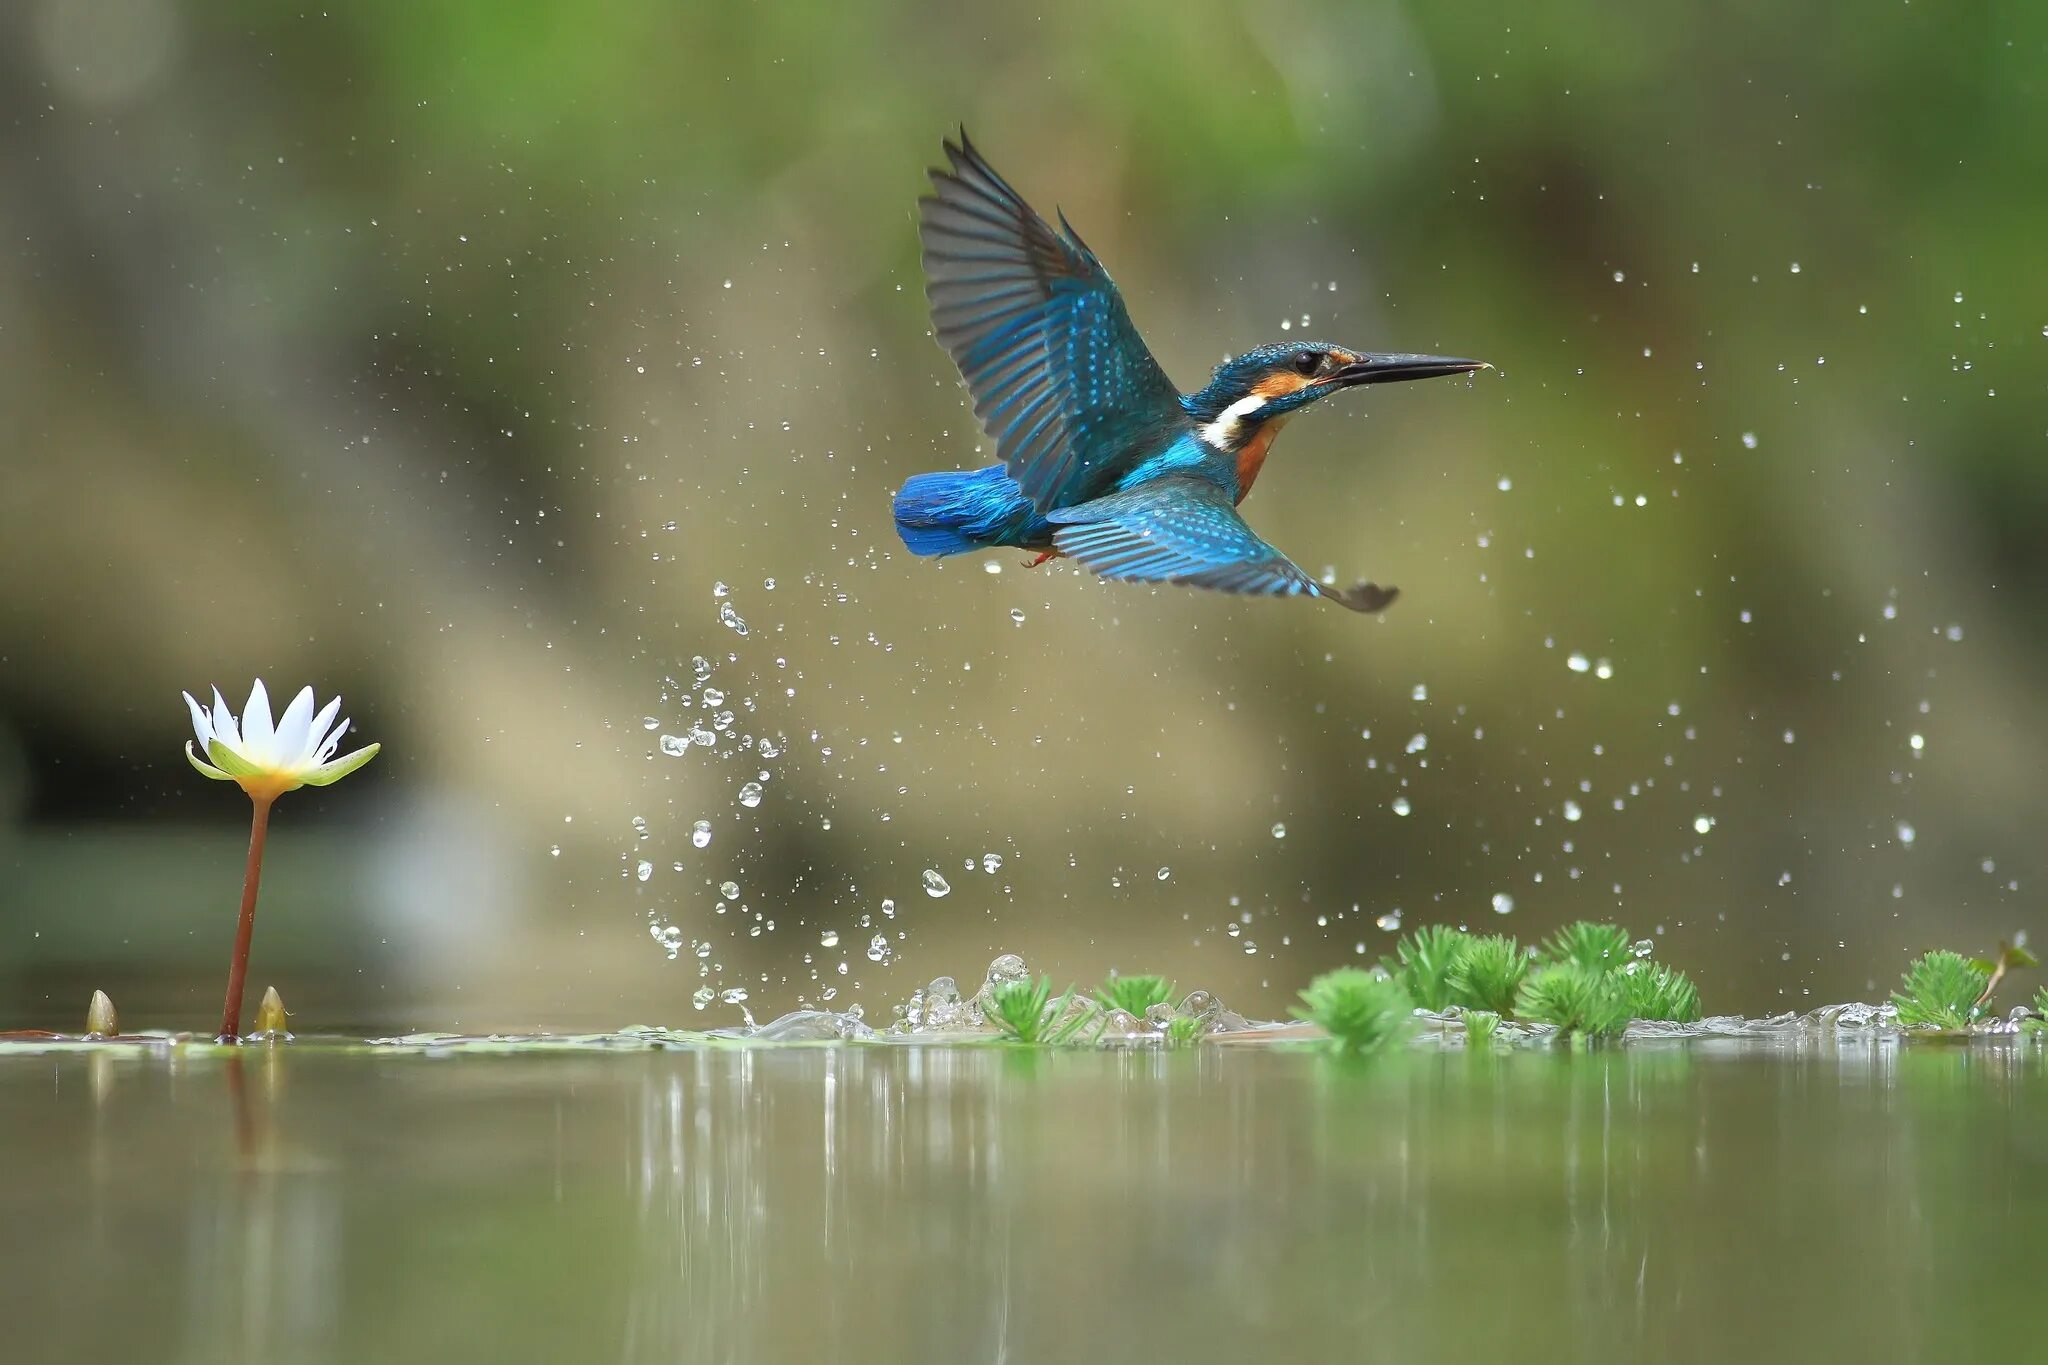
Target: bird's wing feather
{"points": [[1184, 530], [1061, 380]]}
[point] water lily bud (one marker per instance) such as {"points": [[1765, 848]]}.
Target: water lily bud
{"points": [[100, 1021], [270, 1015]]}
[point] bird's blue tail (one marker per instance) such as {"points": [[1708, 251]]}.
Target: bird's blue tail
{"points": [[955, 511]]}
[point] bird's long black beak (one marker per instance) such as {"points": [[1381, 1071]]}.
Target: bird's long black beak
{"points": [[1383, 368]]}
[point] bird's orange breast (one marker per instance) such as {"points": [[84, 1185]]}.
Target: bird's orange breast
{"points": [[1251, 456]]}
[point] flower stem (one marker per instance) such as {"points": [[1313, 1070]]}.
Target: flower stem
{"points": [[238, 966]]}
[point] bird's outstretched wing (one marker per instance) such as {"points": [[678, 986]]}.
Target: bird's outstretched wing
{"points": [[1184, 530], [1061, 380]]}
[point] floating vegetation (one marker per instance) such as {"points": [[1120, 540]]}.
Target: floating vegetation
{"points": [[1480, 1025], [1587, 981], [1946, 991], [1134, 995], [1426, 959], [1487, 974], [1020, 1010], [1657, 991], [1575, 999], [1598, 947], [1361, 1010]]}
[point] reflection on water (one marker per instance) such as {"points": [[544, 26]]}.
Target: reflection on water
{"points": [[1716, 1201]]}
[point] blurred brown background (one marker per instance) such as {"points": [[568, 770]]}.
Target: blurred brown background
{"points": [[490, 363]]}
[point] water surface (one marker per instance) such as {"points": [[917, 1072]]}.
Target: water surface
{"points": [[1713, 1201]]}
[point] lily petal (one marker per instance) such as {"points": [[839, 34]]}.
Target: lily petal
{"points": [[258, 733], [329, 773], [316, 733], [201, 726], [204, 767], [333, 741], [291, 730], [224, 727]]}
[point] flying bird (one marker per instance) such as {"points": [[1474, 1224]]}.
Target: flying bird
{"points": [[1103, 459]]}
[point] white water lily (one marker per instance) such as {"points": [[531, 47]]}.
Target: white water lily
{"points": [[271, 758]]}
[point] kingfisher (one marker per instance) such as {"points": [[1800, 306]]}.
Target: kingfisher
{"points": [[1104, 460]]}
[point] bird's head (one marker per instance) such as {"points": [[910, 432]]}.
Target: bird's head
{"points": [[1274, 382]]}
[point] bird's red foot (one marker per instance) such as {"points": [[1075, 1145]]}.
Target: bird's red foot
{"points": [[1034, 563]]}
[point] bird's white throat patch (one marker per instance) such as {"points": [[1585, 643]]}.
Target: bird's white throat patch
{"points": [[1230, 430]]}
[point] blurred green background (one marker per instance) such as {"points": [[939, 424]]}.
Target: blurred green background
{"points": [[490, 363]]}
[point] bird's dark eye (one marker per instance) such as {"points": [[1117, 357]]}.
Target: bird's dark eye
{"points": [[1307, 362]]}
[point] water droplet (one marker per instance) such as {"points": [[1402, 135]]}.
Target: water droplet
{"points": [[1907, 833], [729, 890], [1164, 873], [750, 794], [734, 995], [1702, 823], [702, 997], [640, 826], [878, 949], [700, 834], [1400, 805], [1417, 743], [829, 939], [643, 869], [1749, 440], [1572, 811], [1577, 662], [649, 723], [731, 619], [991, 863], [1279, 830], [1503, 903], [1017, 615], [1603, 669], [1391, 921], [935, 885], [674, 745]]}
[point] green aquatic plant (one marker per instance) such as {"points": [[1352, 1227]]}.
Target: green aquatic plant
{"points": [[1133, 994], [1577, 999], [1427, 958], [2039, 1022], [1480, 1026], [1361, 1010], [1026, 1013], [1655, 991], [1487, 973], [1184, 1030], [1599, 947], [1942, 989]]}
